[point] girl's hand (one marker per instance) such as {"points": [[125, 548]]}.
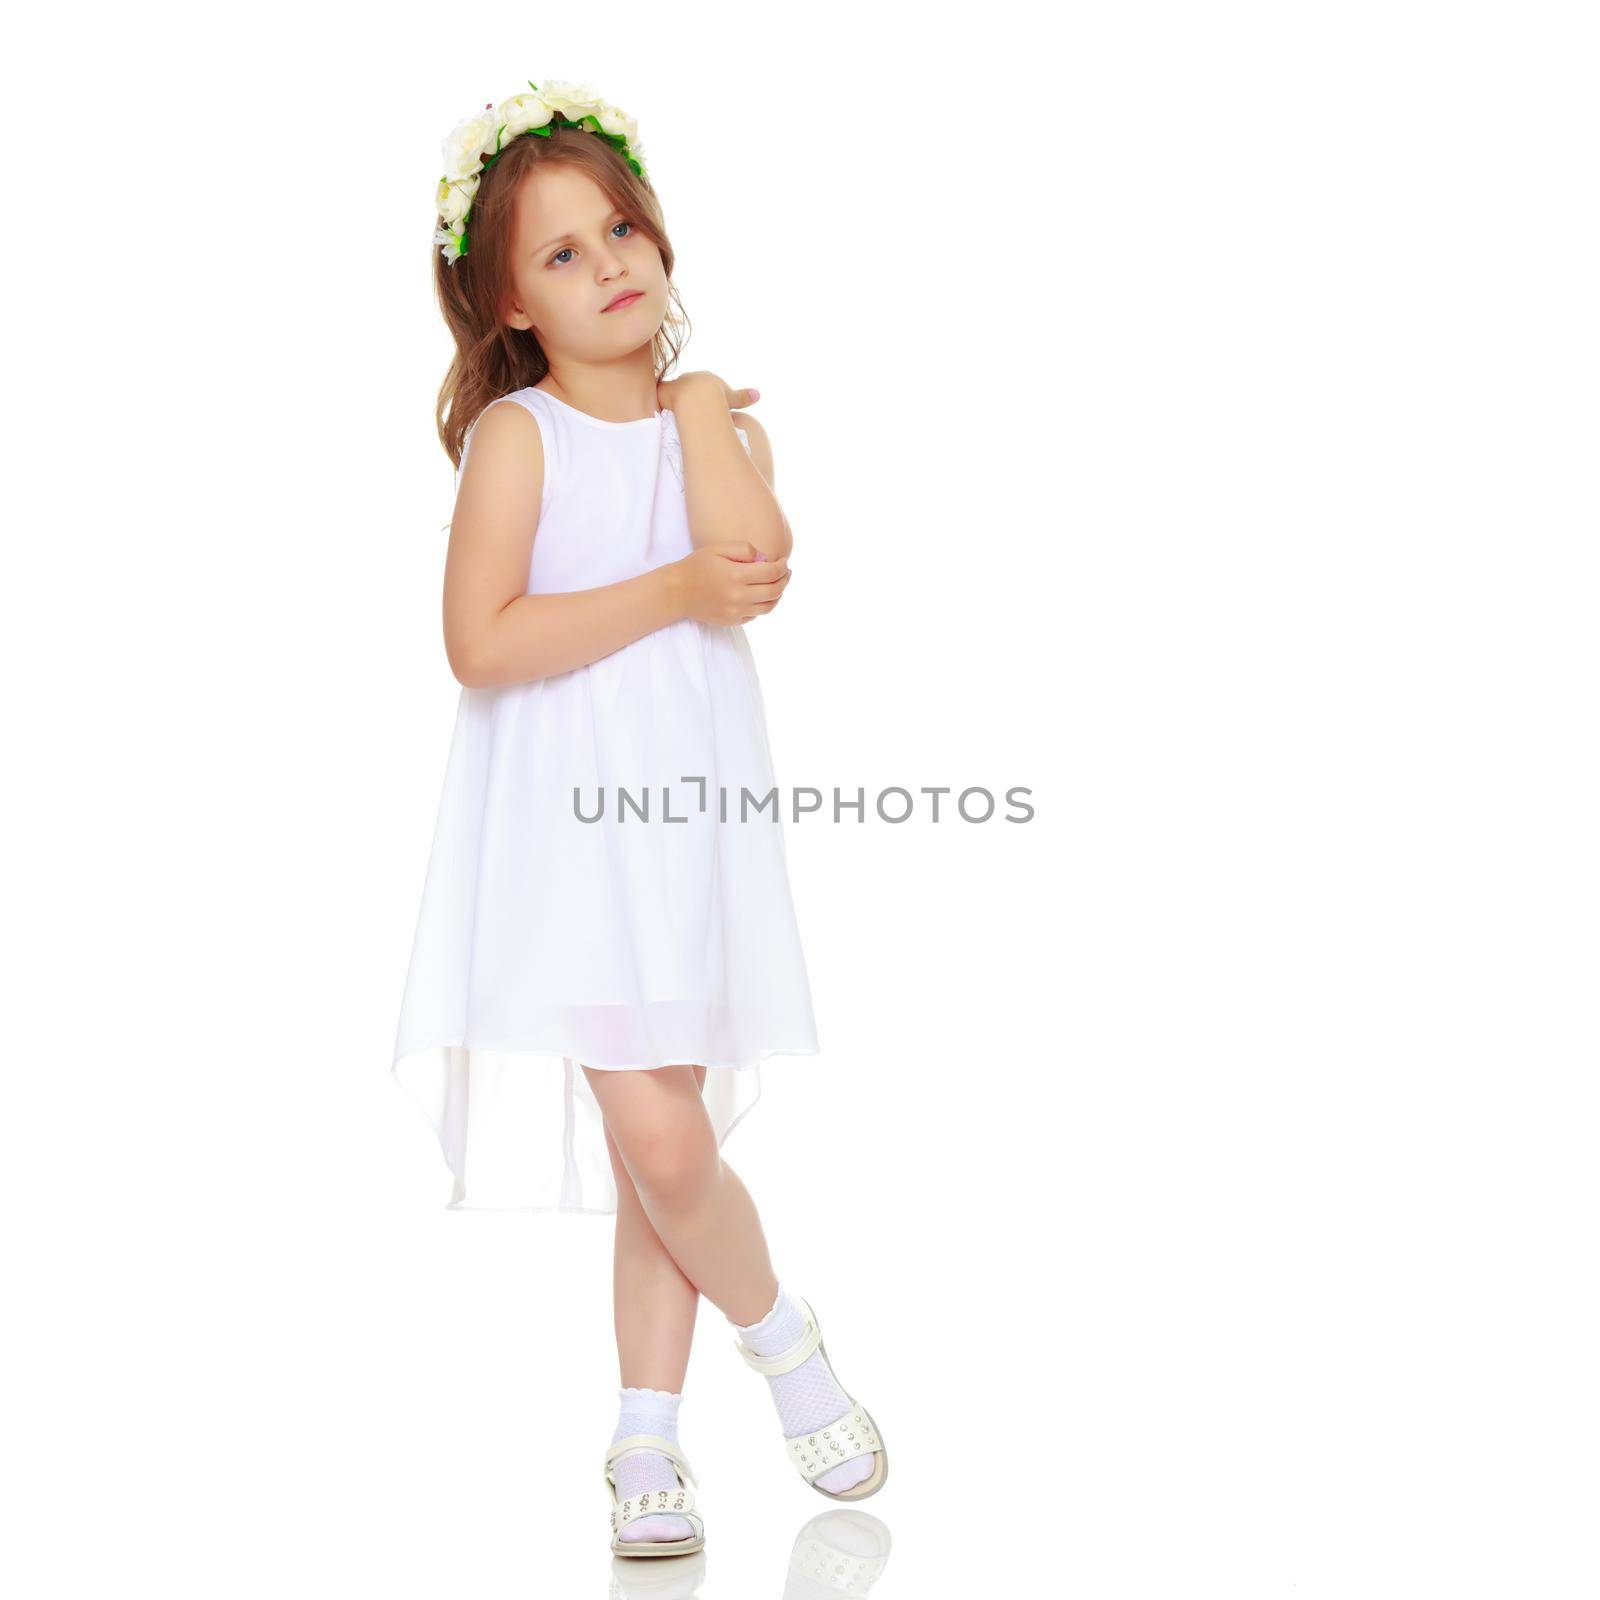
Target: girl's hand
{"points": [[668, 391], [729, 582]]}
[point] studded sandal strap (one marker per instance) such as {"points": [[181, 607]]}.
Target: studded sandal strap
{"points": [[652, 1503], [842, 1440], [791, 1358]]}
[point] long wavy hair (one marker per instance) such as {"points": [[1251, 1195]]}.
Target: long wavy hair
{"points": [[490, 358]]}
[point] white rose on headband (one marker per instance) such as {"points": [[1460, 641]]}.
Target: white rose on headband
{"points": [[453, 199], [614, 120], [574, 100], [522, 112], [468, 143]]}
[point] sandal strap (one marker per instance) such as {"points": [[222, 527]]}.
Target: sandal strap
{"points": [[651, 1502], [635, 1444], [843, 1439], [787, 1360], [655, 1503]]}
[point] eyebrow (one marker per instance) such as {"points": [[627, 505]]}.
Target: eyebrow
{"points": [[565, 236]]}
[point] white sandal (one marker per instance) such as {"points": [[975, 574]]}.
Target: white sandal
{"points": [[652, 1502], [847, 1436]]}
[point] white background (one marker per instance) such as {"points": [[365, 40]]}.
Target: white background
{"points": [[1186, 412]]}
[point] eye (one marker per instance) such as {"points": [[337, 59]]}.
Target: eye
{"points": [[566, 249]]}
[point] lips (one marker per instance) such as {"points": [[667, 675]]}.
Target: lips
{"points": [[624, 300]]}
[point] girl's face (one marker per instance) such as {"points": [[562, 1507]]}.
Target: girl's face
{"points": [[572, 255]]}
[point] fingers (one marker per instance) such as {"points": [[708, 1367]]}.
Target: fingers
{"points": [[767, 595], [742, 550], [760, 608], [760, 597], [759, 573], [753, 566]]}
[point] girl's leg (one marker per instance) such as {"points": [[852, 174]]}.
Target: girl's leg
{"points": [[654, 1307], [702, 1215], [662, 1142], [653, 1303]]}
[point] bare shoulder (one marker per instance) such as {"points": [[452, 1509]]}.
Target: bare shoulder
{"points": [[505, 438], [502, 480], [760, 444], [502, 473]]}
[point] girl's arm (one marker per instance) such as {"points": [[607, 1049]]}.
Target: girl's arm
{"points": [[728, 495], [494, 632]]}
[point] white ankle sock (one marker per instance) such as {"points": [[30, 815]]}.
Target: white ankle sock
{"points": [[807, 1396], [649, 1411]]}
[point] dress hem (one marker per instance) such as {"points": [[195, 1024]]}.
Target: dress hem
{"points": [[434, 1116], [604, 1066]]}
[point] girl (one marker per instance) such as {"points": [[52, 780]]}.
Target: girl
{"points": [[607, 947]]}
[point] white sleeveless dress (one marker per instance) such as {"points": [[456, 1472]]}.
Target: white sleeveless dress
{"points": [[662, 933]]}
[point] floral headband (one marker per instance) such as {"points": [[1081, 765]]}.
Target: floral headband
{"points": [[474, 146]]}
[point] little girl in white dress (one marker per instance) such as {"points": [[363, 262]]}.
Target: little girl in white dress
{"points": [[607, 945], [547, 941]]}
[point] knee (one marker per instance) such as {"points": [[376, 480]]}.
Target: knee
{"points": [[673, 1165]]}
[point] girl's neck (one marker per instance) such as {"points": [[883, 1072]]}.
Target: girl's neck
{"points": [[611, 393]]}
